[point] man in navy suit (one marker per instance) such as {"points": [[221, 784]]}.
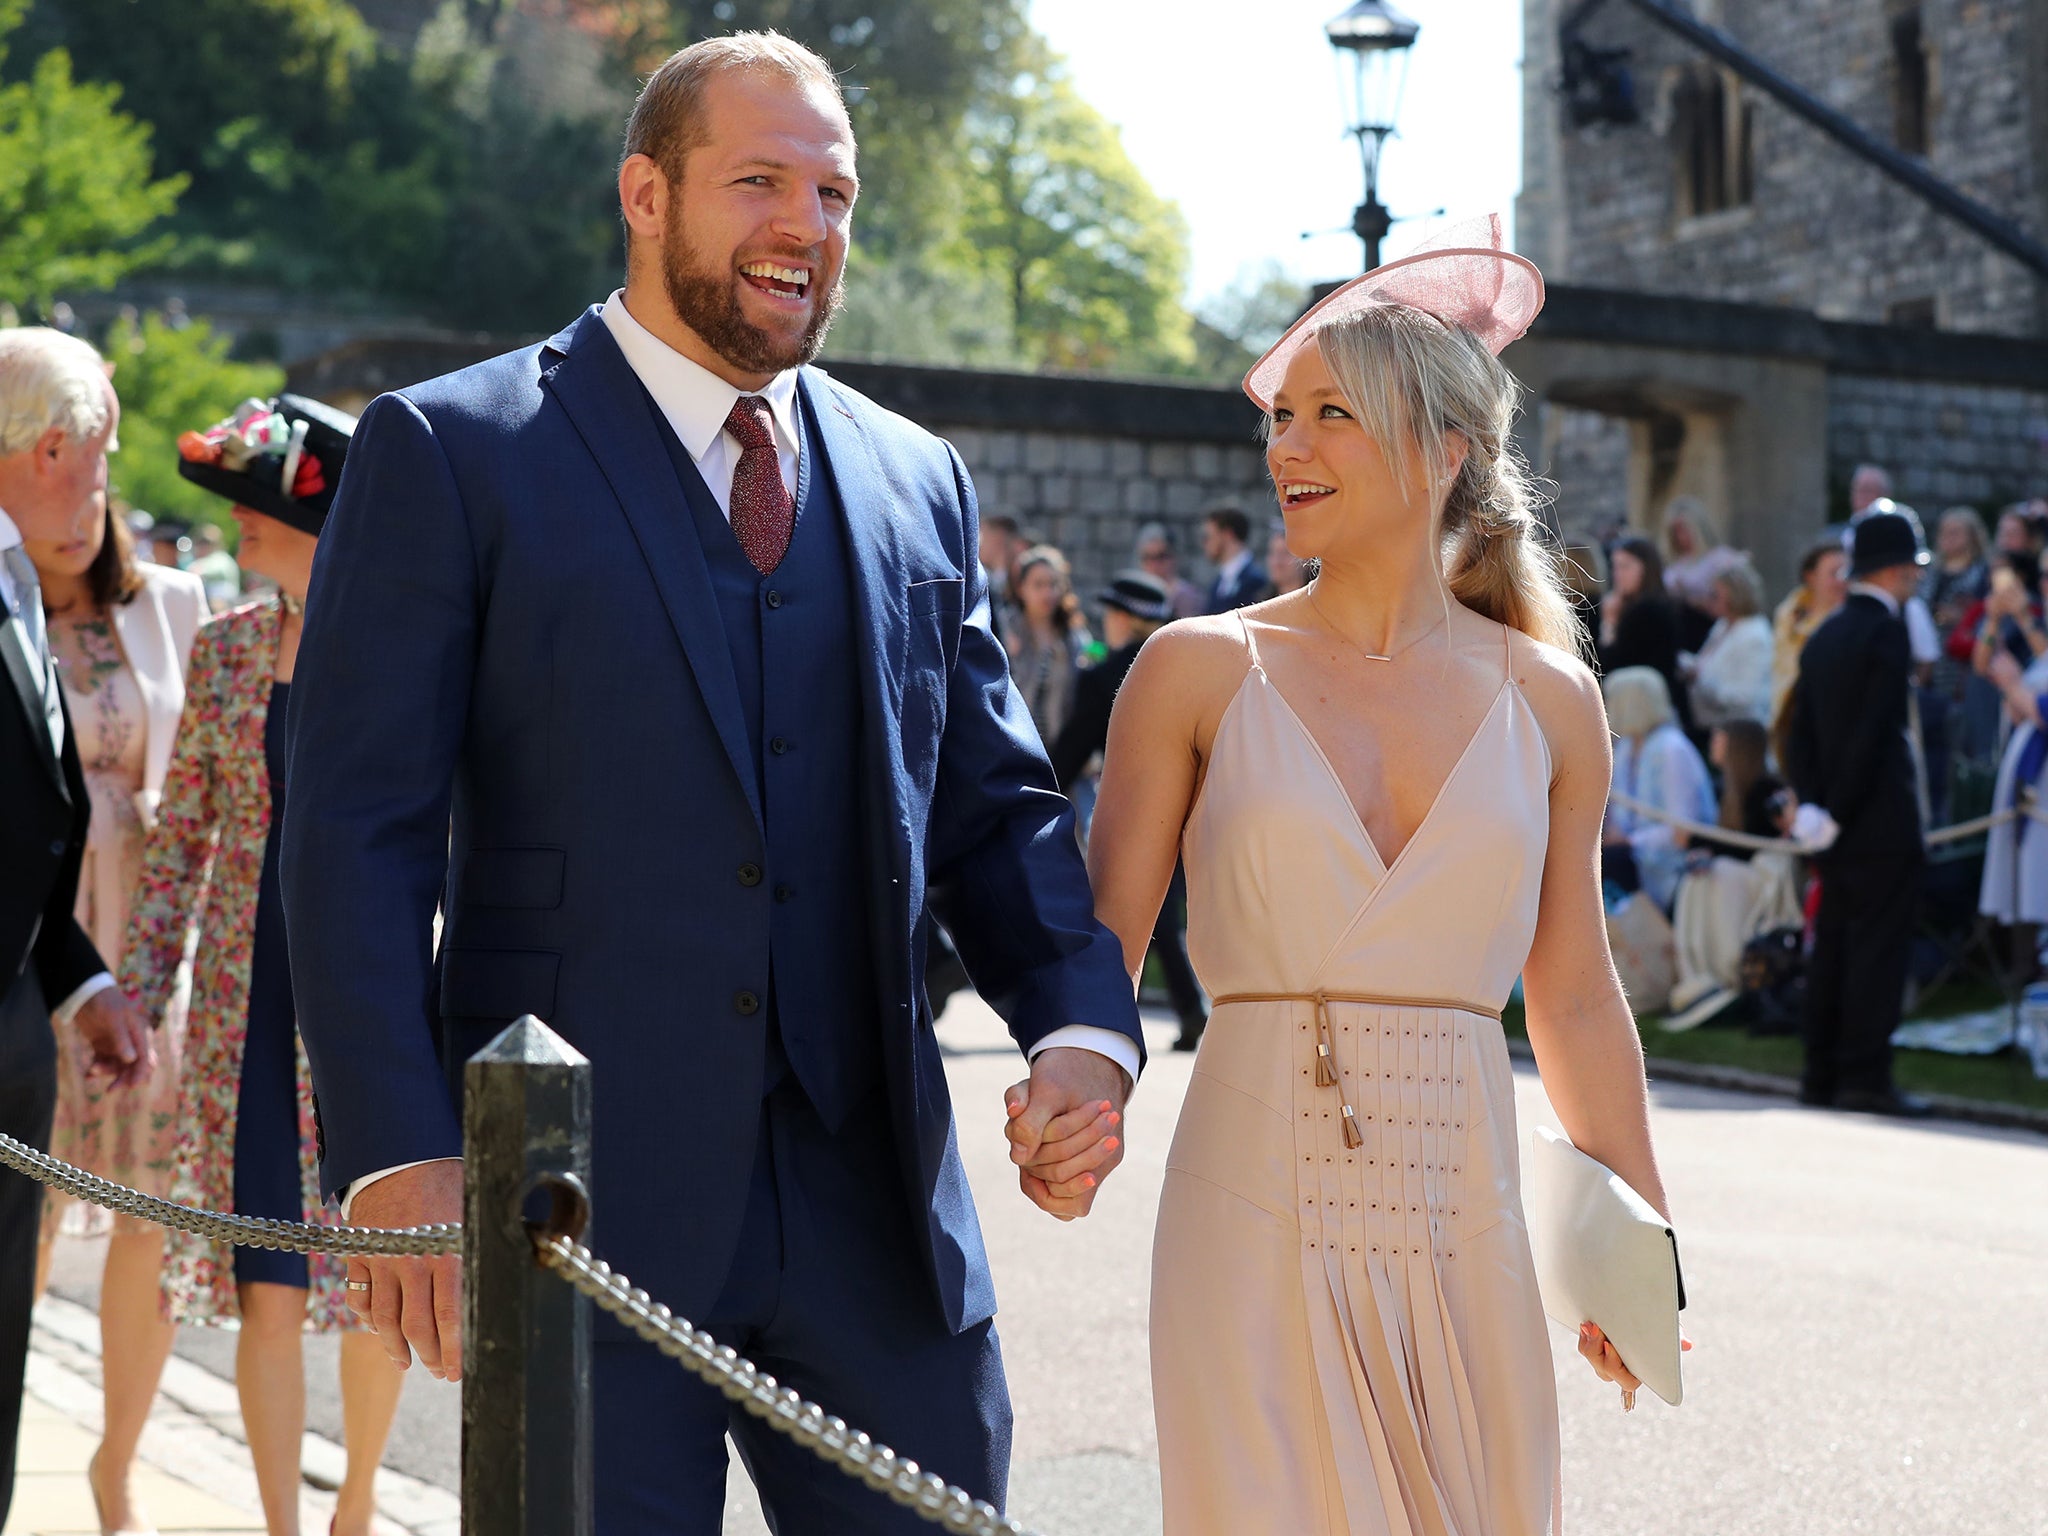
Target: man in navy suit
{"points": [[1240, 579], [693, 644]]}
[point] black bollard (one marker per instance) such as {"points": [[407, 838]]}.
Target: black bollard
{"points": [[526, 1427]]}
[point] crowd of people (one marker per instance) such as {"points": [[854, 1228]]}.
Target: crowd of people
{"points": [[1703, 682]]}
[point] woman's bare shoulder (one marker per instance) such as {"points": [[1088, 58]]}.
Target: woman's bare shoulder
{"points": [[1565, 696], [1191, 663]]}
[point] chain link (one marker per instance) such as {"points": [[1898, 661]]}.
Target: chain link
{"points": [[244, 1231], [785, 1410]]}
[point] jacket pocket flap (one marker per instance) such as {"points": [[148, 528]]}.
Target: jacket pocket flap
{"points": [[512, 877], [499, 983]]}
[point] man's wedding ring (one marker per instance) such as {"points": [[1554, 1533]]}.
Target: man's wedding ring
{"points": [[1628, 1398], [359, 1285]]}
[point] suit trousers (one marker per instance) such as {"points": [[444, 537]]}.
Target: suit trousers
{"points": [[1862, 942], [28, 1103], [1170, 944], [828, 1293]]}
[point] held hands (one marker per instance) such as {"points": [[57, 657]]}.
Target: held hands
{"points": [[1606, 1362], [116, 1031], [1065, 1128], [415, 1303]]}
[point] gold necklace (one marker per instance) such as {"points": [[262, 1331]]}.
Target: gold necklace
{"points": [[1399, 650]]}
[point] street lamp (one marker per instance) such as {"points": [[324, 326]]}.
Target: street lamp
{"points": [[1376, 37]]}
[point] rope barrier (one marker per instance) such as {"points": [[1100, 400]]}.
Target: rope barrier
{"points": [[784, 1410], [1734, 839]]}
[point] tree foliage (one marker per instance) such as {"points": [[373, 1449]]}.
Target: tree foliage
{"points": [[76, 190], [171, 379], [1091, 260]]}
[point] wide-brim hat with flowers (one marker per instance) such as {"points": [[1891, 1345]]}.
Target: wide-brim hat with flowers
{"points": [[1464, 275], [280, 457]]}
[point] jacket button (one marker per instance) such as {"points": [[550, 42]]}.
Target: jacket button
{"points": [[774, 599], [750, 874], [747, 1004], [783, 893], [778, 746]]}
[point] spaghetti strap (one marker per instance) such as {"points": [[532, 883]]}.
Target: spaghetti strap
{"points": [[1250, 645], [1507, 651]]}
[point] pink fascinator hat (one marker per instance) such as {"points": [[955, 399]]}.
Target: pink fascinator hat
{"points": [[1465, 276]]}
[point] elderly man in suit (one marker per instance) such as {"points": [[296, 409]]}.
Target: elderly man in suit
{"points": [[693, 642], [1849, 754], [58, 416]]}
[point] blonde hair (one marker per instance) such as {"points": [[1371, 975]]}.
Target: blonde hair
{"points": [[1741, 588], [1638, 701], [49, 379], [668, 118], [1409, 376]]}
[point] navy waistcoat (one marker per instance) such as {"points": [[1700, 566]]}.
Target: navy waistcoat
{"points": [[790, 636]]}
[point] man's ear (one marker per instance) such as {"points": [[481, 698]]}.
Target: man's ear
{"points": [[643, 198], [50, 447]]}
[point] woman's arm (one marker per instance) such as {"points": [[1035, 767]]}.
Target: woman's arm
{"points": [[1585, 1040], [1164, 715]]}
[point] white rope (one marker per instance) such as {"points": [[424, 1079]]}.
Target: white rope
{"points": [[1733, 839]]}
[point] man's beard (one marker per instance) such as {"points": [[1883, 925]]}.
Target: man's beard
{"points": [[706, 301]]}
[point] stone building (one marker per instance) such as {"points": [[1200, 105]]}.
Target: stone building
{"points": [[1719, 193]]}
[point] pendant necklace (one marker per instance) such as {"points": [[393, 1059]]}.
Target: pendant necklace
{"points": [[1400, 650]]}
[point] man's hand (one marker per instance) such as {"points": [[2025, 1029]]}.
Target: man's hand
{"points": [[1064, 1128], [116, 1031], [414, 1304]]}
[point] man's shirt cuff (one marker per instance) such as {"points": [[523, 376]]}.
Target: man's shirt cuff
{"points": [[67, 1010], [1119, 1048]]}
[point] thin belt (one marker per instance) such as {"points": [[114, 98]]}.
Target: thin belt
{"points": [[1328, 1074]]}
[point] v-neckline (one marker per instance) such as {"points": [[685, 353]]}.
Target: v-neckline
{"points": [[1337, 781]]}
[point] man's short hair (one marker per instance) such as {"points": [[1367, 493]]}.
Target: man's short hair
{"points": [[1003, 523], [49, 379], [1232, 521], [668, 118]]}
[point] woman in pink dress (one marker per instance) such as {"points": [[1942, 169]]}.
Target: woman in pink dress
{"points": [[121, 631], [1388, 791]]}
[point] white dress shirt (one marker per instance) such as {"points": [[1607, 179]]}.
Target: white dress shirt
{"points": [[11, 601], [695, 401]]}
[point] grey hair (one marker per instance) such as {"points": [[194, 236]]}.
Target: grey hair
{"points": [[1743, 588], [1158, 533], [1410, 377], [49, 379], [1638, 701]]}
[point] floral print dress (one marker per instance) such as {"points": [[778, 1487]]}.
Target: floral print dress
{"points": [[202, 873], [128, 1135]]}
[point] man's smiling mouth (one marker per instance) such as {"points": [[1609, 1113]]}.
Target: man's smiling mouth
{"points": [[773, 278]]}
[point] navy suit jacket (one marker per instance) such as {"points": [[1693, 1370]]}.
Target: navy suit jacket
{"points": [[512, 625]]}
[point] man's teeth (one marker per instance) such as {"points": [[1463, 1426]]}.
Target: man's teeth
{"points": [[795, 275]]}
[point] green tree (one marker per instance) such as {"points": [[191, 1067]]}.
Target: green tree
{"points": [[170, 380], [1234, 326], [76, 193], [1091, 259]]}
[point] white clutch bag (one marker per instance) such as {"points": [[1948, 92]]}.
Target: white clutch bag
{"points": [[1604, 1256]]}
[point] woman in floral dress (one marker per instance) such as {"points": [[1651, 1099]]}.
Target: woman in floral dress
{"points": [[121, 631], [248, 1140]]}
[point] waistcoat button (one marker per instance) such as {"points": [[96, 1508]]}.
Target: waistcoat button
{"points": [[774, 599], [747, 1003], [750, 874]]}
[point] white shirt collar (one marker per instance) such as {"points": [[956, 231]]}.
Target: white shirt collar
{"points": [[1234, 567], [695, 400], [1891, 603], [9, 534]]}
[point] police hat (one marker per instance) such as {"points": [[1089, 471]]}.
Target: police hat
{"points": [[1139, 595], [1886, 535]]}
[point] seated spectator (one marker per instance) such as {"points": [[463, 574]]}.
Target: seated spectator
{"points": [[1823, 583], [2015, 886], [1730, 679], [1728, 895], [1657, 767]]}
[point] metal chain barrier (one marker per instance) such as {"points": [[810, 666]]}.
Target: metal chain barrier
{"points": [[244, 1231], [785, 1410]]}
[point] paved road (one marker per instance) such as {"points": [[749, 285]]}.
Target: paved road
{"points": [[1870, 1302]]}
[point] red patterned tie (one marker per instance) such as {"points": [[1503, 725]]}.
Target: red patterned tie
{"points": [[763, 514]]}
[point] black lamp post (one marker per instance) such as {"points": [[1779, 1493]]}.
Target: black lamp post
{"points": [[1374, 38]]}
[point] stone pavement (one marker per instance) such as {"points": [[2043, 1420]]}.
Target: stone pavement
{"points": [[1870, 1301]]}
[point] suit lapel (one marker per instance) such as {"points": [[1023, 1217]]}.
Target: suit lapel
{"points": [[21, 673], [608, 407], [873, 542]]}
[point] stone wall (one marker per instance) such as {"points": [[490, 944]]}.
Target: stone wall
{"points": [[1944, 443], [1825, 231]]}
